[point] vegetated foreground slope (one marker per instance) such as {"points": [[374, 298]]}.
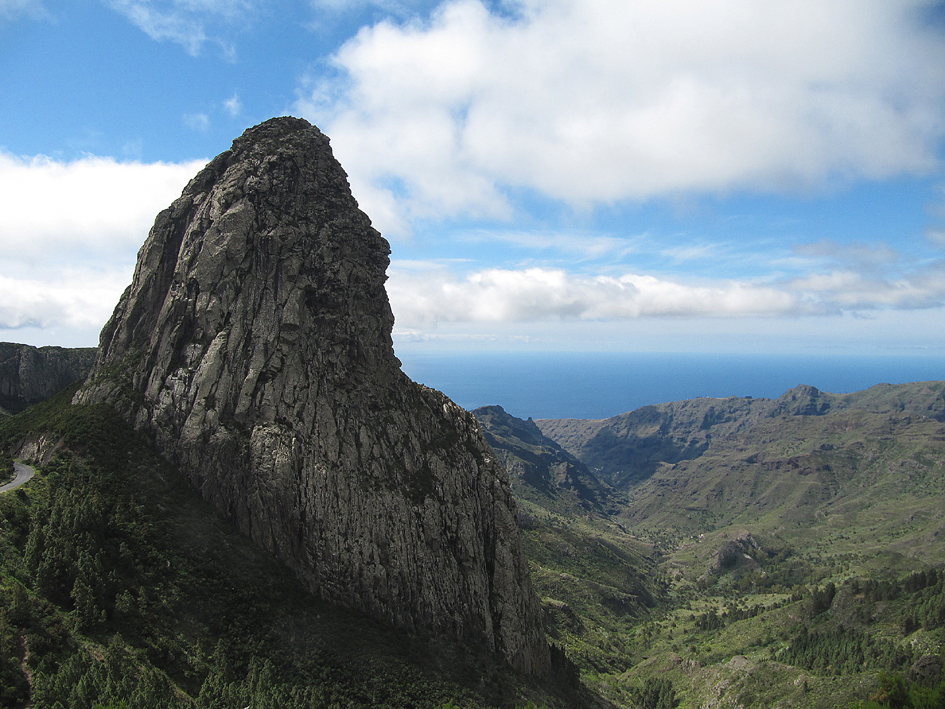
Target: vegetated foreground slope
{"points": [[118, 583], [800, 540], [108, 595]]}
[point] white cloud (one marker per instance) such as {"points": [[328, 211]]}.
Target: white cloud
{"points": [[498, 295], [78, 299], [852, 291], [60, 222], [864, 256], [51, 210], [937, 237], [424, 297], [582, 246], [592, 101]]}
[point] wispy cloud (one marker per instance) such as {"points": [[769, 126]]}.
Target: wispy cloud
{"points": [[11, 9], [596, 101], [233, 106], [566, 244], [197, 121], [185, 22], [862, 256]]}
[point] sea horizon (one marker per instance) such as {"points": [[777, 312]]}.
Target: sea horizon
{"points": [[600, 385]]}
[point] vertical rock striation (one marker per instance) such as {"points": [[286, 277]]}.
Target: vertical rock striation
{"points": [[254, 345], [29, 375]]}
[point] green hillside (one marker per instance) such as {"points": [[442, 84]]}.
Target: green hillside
{"points": [[540, 470]]}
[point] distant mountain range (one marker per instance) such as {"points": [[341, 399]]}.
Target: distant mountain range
{"points": [[627, 449]]}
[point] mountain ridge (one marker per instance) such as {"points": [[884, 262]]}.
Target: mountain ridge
{"points": [[627, 449]]}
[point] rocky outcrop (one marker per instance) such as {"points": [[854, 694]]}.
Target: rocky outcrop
{"points": [[254, 346], [739, 552], [29, 375]]}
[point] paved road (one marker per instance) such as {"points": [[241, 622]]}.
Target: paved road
{"points": [[23, 473]]}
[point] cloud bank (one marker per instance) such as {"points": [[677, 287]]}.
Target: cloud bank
{"points": [[425, 297], [93, 205], [69, 232], [598, 101]]}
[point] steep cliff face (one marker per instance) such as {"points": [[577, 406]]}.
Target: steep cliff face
{"points": [[29, 375], [254, 346], [540, 469]]}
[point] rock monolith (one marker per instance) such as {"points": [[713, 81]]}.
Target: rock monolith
{"points": [[254, 347]]}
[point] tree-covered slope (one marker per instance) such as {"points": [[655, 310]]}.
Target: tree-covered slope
{"points": [[596, 580]]}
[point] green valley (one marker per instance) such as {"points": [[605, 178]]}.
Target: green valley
{"points": [[768, 553]]}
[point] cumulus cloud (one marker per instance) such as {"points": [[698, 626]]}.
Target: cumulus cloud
{"points": [[423, 298], [595, 101], [93, 205], [69, 232], [60, 222]]}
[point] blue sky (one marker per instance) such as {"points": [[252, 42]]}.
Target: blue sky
{"points": [[726, 176]]}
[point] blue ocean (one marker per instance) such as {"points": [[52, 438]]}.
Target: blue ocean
{"points": [[599, 385]]}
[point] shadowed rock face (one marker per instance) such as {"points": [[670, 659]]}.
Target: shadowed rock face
{"points": [[254, 346], [29, 375]]}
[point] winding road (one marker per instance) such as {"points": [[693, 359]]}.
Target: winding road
{"points": [[23, 474]]}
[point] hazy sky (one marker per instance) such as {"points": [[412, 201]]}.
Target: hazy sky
{"points": [[730, 175]]}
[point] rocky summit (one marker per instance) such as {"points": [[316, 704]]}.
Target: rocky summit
{"points": [[254, 347]]}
